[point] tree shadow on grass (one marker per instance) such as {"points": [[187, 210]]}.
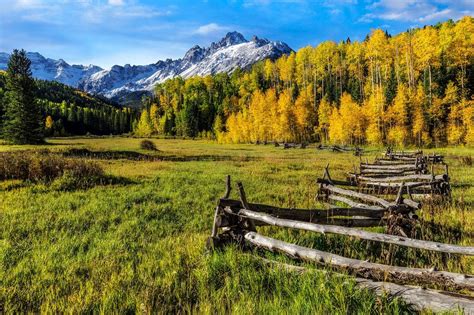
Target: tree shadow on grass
{"points": [[137, 156]]}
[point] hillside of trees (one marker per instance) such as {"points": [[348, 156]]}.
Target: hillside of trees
{"points": [[69, 111], [415, 88]]}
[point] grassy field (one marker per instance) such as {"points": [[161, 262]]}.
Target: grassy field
{"points": [[139, 245]]}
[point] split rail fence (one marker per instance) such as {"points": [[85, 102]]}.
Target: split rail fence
{"points": [[236, 221]]}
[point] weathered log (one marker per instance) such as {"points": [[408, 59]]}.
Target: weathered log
{"points": [[406, 178], [218, 208], [409, 167], [355, 194], [354, 221], [366, 269], [352, 203], [335, 182], [371, 236], [418, 298], [388, 172], [308, 215], [384, 161]]}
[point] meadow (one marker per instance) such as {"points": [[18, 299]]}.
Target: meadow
{"points": [[136, 242]]}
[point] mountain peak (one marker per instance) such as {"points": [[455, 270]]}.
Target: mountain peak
{"points": [[231, 38], [231, 52]]}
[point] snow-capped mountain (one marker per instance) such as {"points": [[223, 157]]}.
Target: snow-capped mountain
{"points": [[54, 70], [231, 52]]}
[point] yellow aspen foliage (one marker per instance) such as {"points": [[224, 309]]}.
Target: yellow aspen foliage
{"points": [[398, 117], [336, 128], [456, 126], [468, 120], [419, 127], [144, 127], [287, 120], [324, 119], [351, 121], [374, 109], [304, 113], [258, 117], [463, 46], [49, 122], [155, 118], [273, 113]]}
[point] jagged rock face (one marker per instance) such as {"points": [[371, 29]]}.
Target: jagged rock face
{"points": [[231, 52]]}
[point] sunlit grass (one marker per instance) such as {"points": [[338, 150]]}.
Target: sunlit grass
{"points": [[140, 245]]}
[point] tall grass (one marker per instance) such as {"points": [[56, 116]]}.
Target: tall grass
{"points": [[141, 247], [43, 166]]}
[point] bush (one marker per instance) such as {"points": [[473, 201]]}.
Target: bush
{"points": [[466, 160], [43, 166], [148, 145]]}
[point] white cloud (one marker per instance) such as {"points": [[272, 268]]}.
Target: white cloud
{"points": [[116, 2], [210, 28], [423, 11]]}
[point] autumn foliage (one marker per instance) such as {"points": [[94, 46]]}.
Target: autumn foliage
{"points": [[415, 88]]}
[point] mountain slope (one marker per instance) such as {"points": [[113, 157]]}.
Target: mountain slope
{"points": [[231, 52]]}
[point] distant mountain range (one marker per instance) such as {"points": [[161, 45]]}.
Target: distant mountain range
{"points": [[231, 52]]}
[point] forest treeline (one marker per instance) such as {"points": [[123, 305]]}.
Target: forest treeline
{"points": [[68, 111], [412, 88]]}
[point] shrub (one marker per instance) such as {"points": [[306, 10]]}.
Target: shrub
{"points": [[42, 166], [466, 160], [148, 145]]}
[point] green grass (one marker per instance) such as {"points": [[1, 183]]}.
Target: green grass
{"points": [[140, 245]]}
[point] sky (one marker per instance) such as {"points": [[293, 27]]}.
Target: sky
{"points": [[108, 32]]}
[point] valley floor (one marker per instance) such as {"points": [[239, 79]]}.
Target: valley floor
{"points": [[139, 244]]}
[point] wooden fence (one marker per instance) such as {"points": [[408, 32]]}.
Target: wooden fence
{"points": [[236, 221]]}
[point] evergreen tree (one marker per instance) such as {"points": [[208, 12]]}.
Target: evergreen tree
{"points": [[23, 123]]}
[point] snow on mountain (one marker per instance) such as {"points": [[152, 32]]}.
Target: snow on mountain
{"points": [[231, 52], [54, 70]]}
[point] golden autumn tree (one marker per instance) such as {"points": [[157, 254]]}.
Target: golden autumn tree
{"points": [[374, 109], [144, 127], [456, 126], [378, 52], [273, 113], [398, 117], [155, 118], [324, 119], [49, 122], [427, 51], [304, 114], [336, 127], [419, 125], [352, 121], [462, 48], [468, 119], [287, 124]]}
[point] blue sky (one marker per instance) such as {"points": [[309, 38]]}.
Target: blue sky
{"points": [[108, 32]]}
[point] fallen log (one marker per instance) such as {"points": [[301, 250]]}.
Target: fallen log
{"points": [[371, 236], [418, 298], [366, 269]]}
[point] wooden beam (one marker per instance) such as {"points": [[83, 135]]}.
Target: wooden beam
{"points": [[366, 235], [363, 268], [355, 194], [420, 299]]}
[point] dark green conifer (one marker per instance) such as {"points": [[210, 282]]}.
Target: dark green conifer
{"points": [[22, 119]]}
